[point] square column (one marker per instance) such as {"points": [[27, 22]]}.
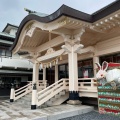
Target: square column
{"points": [[72, 47], [95, 60], [73, 78], [44, 77], [34, 89], [56, 72], [44, 73], [35, 72], [73, 71]]}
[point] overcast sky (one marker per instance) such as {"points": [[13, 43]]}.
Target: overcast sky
{"points": [[12, 11]]}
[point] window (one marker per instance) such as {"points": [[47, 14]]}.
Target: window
{"points": [[63, 71], [111, 58], [85, 68]]}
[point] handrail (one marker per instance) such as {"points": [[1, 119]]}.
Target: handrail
{"points": [[52, 90], [22, 87], [50, 86], [85, 78], [41, 84], [88, 86], [47, 93], [23, 91]]}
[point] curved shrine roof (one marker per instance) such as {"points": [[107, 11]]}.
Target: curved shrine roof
{"points": [[69, 12]]}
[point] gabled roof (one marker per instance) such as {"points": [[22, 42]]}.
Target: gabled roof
{"points": [[69, 12], [9, 26]]}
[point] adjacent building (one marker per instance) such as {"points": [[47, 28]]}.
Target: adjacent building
{"points": [[12, 68]]}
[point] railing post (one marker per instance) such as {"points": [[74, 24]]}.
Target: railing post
{"points": [[34, 97], [12, 93], [45, 83], [92, 84], [64, 83], [81, 84], [37, 84]]}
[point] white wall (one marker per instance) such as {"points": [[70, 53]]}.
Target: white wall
{"points": [[15, 62], [13, 32]]}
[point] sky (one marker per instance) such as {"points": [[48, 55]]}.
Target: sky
{"points": [[12, 11]]}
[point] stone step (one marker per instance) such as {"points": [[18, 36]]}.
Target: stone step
{"points": [[62, 93], [43, 106], [49, 103], [57, 96], [26, 99], [52, 99]]}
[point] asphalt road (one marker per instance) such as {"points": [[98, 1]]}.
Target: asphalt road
{"points": [[93, 116]]}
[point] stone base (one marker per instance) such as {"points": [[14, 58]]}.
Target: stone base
{"points": [[33, 107], [11, 100], [74, 102]]}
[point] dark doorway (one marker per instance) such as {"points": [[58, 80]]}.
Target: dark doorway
{"points": [[50, 75], [63, 71]]}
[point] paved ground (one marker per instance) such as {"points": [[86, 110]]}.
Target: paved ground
{"points": [[92, 116], [13, 111]]}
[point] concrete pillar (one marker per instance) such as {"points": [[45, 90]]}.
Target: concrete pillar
{"points": [[56, 72], [12, 93], [95, 60], [34, 96], [73, 78], [44, 73]]}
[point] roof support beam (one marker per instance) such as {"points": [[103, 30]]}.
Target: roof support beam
{"points": [[52, 43], [87, 50], [28, 49], [49, 56]]}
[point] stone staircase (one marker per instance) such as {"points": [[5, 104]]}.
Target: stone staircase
{"points": [[54, 94], [56, 100]]}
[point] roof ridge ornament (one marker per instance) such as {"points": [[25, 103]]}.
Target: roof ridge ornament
{"points": [[29, 11]]}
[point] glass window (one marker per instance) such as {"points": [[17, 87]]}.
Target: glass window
{"points": [[85, 69], [111, 58], [63, 71]]}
